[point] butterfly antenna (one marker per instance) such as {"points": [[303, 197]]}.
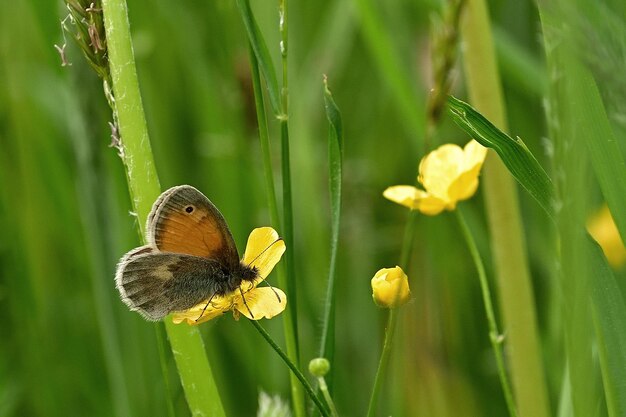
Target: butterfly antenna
{"points": [[205, 307], [274, 291], [265, 250], [245, 303]]}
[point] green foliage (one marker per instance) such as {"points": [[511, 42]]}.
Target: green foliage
{"points": [[70, 347], [514, 153]]}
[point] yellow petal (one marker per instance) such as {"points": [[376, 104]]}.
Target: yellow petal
{"points": [[465, 185], [604, 231], [263, 251], [415, 199], [431, 205], [475, 154], [440, 168], [262, 302], [218, 306], [390, 287], [405, 195]]}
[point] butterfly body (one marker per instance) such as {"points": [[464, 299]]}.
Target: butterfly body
{"points": [[189, 258]]}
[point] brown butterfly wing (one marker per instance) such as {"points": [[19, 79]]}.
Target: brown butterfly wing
{"points": [[155, 284], [183, 220]]}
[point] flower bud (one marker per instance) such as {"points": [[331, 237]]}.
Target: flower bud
{"points": [[319, 367], [390, 287]]}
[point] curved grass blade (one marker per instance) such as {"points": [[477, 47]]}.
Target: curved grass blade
{"points": [[513, 152], [593, 126], [335, 151], [262, 54]]}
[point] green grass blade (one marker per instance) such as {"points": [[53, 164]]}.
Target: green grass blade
{"points": [[518, 67], [391, 67], [605, 154], [521, 163], [610, 325], [109, 331], [186, 342], [335, 164], [264, 139], [262, 54]]}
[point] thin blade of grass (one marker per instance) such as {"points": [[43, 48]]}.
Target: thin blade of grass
{"points": [[391, 68], [262, 54], [521, 163], [335, 164]]}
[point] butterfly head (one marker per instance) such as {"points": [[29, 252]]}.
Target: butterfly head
{"points": [[247, 272]]}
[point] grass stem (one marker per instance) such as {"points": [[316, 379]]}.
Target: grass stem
{"points": [[294, 369], [264, 139], [494, 334], [384, 361], [329, 400], [505, 223], [143, 183], [405, 257], [290, 317]]}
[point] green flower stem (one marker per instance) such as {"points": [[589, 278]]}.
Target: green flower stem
{"points": [[274, 218], [405, 257], [329, 400], [294, 369], [143, 183], [494, 334], [409, 237], [384, 361], [507, 235]]}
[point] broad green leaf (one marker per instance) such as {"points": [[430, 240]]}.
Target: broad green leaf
{"points": [[262, 54], [513, 152]]}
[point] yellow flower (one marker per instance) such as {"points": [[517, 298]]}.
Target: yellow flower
{"points": [[603, 229], [448, 174], [263, 251], [390, 287]]}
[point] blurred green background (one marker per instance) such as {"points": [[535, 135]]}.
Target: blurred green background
{"points": [[69, 347]]}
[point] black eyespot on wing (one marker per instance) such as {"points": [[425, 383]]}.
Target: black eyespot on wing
{"points": [[189, 209]]}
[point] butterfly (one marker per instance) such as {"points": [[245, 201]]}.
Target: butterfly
{"points": [[191, 259]]}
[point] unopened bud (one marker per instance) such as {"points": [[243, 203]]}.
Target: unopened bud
{"points": [[319, 367]]}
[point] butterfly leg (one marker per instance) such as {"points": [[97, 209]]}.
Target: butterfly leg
{"points": [[245, 303], [205, 307]]}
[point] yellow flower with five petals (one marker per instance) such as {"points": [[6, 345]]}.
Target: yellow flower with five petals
{"points": [[449, 174], [263, 251]]}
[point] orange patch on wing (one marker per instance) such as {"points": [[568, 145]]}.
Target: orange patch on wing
{"points": [[197, 234]]}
